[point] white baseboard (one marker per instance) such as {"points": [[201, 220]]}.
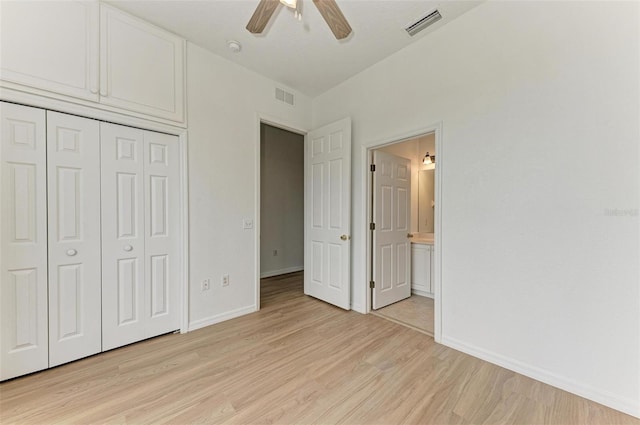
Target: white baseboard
{"points": [[421, 293], [628, 406], [212, 320], [281, 271]]}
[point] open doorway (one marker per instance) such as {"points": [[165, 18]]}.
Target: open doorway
{"points": [[326, 247], [281, 214], [403, 233]]}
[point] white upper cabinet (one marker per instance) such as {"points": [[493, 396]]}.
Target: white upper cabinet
{"points": [[141, 66], [51, 46], [89, 53]]}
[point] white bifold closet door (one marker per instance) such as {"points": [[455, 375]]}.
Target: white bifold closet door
{"points": [[141, 261], [23, 241], [73, 180]]}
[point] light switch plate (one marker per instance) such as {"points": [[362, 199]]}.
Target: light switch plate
{"points": [[247, 223]]}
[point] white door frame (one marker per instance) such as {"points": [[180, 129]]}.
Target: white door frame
{"points": [[367, 150], [283, 125], [51, 104]]}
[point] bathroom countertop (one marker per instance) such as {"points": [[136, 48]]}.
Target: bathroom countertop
{"points": [[423, 241]]}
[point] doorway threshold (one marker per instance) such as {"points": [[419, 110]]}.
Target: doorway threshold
{"points": [[415, 312]]}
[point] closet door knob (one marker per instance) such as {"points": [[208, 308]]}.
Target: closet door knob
{"points": [[71, 252], [127, 248]]}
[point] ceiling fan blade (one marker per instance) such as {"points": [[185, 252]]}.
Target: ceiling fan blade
{"points": [[262, 15], [333, 16]]}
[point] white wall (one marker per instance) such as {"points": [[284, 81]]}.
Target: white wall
{"points": [[224, 101], [281, 201], [539, 105]]}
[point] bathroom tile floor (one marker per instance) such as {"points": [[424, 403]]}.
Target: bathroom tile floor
{"points": [[415, 312]]}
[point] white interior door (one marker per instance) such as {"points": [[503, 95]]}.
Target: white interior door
{"points": [[162, 233], [327, 207], [392, 218], [123, 235], [73, 179], [23, 241]]}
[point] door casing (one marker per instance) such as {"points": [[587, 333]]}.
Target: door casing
{"points": [[367, 196]]}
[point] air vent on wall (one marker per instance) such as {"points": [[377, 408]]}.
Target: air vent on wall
{"points": [[423, 23], [284, 96]]}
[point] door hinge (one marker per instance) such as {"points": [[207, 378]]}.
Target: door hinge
{"points": [[372, 284], [372, 226], [373, 167]]}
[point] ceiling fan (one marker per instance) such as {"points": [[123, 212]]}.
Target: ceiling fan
{"points": [[328, 9]]}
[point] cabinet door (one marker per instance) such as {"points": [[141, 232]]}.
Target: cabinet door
{"points": [[73, 170], [123, 235], [51, 46], [420, 269], [163, 262], [141, 66], [23, 241]]}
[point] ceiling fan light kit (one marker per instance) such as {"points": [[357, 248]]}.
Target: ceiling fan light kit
{"points": [[329, 10]]}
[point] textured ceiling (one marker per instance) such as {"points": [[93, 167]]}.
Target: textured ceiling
{"points": [[302, 55]]}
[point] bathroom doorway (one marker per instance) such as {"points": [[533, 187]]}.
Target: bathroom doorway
{"points": [[403, 232]]}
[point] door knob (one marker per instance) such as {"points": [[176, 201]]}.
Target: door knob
{"points": [[71, 252], [409, 235], [127, 248], [345, 237]]}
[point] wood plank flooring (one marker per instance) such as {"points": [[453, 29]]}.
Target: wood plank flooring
{"points": [[415, 312], [297, 361]]}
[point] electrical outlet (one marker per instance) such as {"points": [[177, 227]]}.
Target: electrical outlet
{"points": [[225, 280], [275, 252], [206, 285]]}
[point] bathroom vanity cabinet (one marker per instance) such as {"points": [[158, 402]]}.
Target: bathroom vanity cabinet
{"points": [[422, 268]]}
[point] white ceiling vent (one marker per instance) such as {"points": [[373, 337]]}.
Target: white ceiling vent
{"points": [[284, 96], [423, 23]]}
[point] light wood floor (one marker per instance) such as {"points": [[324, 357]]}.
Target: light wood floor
{"points": [[297, 361], [415, 312]]}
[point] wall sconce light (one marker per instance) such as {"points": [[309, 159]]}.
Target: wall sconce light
{"points": [[429, 159]]}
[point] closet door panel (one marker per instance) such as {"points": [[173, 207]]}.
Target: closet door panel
{"points": [[73, 168], [123, 236], [23, 241], [162, 238]]}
